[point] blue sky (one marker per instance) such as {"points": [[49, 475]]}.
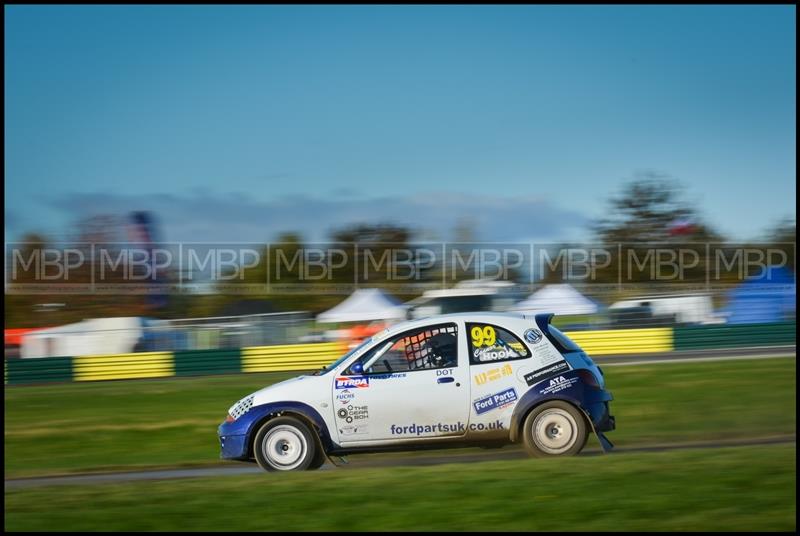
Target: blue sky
{"points": [[237, 123]]}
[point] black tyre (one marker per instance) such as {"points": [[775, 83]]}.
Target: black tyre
{"points": [[555, 428], [319, 457], [285, 444]]}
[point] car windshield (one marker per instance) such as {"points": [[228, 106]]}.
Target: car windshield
{"points": [[326, 369]]}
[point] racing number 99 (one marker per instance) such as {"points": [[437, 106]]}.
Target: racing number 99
{"points": [[483, 336]]}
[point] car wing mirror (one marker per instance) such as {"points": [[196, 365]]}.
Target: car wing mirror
{"points": [[357, 368]]}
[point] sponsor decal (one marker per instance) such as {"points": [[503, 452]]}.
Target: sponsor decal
{"points": [[352, 382], [484, 355], [353, 413], [352, 429], [391, 376], [546, 354], [538, 375], [557, 384], [483, 336], [442, 428], [495, 401], [493, 374], [533, 336], [345, 396]]}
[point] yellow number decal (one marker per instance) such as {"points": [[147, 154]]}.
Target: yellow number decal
{"points": [[477, 337], [483, 336], [489, 336]]}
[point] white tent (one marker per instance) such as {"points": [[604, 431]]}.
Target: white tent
{"points": [[364, 305], [561, 299], [96, 336]]}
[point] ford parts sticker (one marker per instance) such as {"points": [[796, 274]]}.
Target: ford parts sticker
{"points": [[497, 400]]}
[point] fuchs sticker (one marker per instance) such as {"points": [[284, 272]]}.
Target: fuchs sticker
{"points": [[557, 384], [497, 400], [353, 382], [533, 336], [538, 375], [345, 396]]}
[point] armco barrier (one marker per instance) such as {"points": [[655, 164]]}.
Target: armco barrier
{"points": [[291, 356], [313, 356], [123, 366], [42, 370], [200, 362], [730, 336], [623, 341]]}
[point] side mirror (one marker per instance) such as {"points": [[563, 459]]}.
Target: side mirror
{"points": [[357, 368]]}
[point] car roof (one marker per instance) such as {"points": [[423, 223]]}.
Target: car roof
{"points": [[477, 316]]}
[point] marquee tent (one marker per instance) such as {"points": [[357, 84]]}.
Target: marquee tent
{"points": [[365, 305], [560, 299]]}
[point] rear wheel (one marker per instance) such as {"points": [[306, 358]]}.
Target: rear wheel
{"points": [[555, 428], [285, 444]]}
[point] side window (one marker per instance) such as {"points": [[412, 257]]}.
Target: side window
{"points": [[431, 347], [488, 344]]}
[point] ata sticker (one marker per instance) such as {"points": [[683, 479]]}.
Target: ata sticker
{"points": [[559, 384]]}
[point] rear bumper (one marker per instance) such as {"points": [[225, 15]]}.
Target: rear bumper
{"points": [[607, 423], [596, 404], [603, 422]]}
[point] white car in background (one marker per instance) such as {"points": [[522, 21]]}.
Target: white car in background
{"points": [[463, 379]]}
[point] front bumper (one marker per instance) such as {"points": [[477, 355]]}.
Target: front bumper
{"points": [[233, 446]]}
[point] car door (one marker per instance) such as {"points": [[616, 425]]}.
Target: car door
{"points": [[497, 359], [411, 386]]}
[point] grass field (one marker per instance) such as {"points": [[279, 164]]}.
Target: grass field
{"points": [[731, 489], [104, 426]]}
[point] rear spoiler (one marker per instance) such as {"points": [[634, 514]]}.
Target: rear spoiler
{"points": [[543, 323]]}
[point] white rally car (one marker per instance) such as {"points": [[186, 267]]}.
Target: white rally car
{"points": [[464, 379]]}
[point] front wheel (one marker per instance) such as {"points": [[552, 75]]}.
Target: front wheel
{"points": [[285, 444], [555, 428]]}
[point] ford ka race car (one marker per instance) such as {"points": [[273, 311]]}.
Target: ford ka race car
{"points": [[479, 379]]}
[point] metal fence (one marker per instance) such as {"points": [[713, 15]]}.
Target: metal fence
{"points": [[167, 336], [230, 331]]}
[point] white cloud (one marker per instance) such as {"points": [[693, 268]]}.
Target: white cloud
{"points": [[238, 217]]}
